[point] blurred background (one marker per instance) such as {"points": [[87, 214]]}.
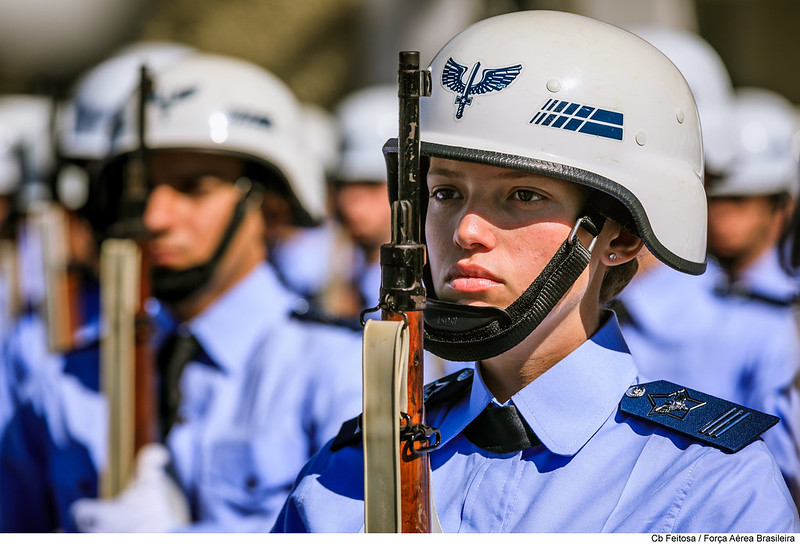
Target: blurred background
{"points": [[326, 48]]}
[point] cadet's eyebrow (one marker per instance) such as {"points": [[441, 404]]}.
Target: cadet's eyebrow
{"points": [[445, 172], [456, 174]]}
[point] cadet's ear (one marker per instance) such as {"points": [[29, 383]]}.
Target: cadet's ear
{"points": [[624, 245]]}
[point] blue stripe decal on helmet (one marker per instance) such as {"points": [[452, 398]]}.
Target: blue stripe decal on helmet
{"points": [[581, 118], [610, 117]]}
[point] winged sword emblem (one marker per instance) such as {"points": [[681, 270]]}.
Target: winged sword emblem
{"points": [[492, 80]]}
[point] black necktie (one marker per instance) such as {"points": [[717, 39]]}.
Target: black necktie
{"points": [[172, 358], [500, 429]]}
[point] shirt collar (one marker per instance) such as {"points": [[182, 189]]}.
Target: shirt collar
{"points": [[569, 403], [231, 327]]}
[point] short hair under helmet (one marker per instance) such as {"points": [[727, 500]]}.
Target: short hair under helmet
{"points": [[566, 96], [225, 105]]}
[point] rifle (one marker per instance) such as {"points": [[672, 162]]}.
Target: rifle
{"points": [[45, 228], [127, 361], [50, 223], [397, 471]]}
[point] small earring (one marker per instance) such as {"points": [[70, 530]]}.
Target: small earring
{"points": [[612, 257]]}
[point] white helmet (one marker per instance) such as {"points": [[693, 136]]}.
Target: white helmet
{"points": [[711, 86], [226, 105], [561, 102], [26, 150], [767, 158], [322, 136], [367, 117], [86, 122]]}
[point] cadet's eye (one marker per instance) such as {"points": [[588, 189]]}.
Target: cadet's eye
{"points": [[444, 193], [526, 195], [196, 185]]}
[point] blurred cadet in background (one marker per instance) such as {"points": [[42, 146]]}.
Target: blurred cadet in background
{"points": [[246, 391], [367, 119], [55, 445], [307, 259], [682, 328], [29, 166], [26, 163], [750, 206]]}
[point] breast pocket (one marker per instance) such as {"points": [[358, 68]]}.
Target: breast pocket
{"points": [[250, 476]]}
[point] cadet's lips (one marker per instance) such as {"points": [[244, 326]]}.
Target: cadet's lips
{"points": [[470, 278], [163, 256]]}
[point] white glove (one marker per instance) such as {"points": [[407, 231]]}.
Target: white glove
{"points": [[152, 502]]}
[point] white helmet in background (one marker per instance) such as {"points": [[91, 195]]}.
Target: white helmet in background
{"points": [[367, 117], [561, 103], [26, 148], [767, 151], [226, 105], [86, 123], [711, 86], [322, 135]]}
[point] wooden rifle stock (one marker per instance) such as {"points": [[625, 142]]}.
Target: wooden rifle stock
{"points": [[403, 295], [127, 360]]}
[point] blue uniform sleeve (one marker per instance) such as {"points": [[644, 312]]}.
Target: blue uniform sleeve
{"points": [[774, 390], [41, 479], [757, 498]]}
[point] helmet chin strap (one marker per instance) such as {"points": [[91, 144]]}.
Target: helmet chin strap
{"points": [[170, 285], [459, 332]]}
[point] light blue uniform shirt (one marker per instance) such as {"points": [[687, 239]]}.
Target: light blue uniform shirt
{"points": [[597, 469], [268, 392], [277, 391], [766, 277], [741, 350], [305, 261], [54, 439]]}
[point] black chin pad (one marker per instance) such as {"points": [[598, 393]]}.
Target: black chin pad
{"points": [[453, 317]]}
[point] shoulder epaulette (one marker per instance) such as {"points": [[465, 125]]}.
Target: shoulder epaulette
{"points": [[349, 434], [447, 388], [434, 394], [705, 418]]}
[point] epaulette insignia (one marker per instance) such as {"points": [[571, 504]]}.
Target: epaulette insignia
{"points": [[434, 393], [447, 388], [707, 419]]}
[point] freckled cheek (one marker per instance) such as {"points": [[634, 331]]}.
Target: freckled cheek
{"points": [[531, 250], [437, 242]]}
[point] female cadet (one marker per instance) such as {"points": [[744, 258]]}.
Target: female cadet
{"points": [[557, 146]]}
